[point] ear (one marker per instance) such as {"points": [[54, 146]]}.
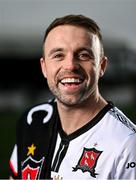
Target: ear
{"points": [[43, 67], [103, 65]]}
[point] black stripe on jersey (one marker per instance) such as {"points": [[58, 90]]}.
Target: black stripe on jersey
{"points": [[60, 155]]}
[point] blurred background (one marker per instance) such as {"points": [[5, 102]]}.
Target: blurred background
{"points": [[22, 27]]}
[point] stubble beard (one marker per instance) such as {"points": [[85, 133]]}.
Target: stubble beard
{"points": [[68, 100]]}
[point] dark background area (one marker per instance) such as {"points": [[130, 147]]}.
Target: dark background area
{"points": [[22, 26]]}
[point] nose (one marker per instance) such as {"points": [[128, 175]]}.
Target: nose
{"points": [[70, 63]]}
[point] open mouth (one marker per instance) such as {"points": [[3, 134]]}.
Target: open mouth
{"points": [[71, 81]]}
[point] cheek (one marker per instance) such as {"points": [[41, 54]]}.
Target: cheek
{"points": [[51, 74], [92, 74], [90, 69]]}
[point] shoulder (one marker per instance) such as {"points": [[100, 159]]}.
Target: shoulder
{"points": [[121, 120], [120, 132], [118, 127]]}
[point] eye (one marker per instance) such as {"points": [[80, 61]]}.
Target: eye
{"points": [[58, 56], [84, 56]]}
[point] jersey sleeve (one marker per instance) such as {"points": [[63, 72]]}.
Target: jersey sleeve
{"points": [[126, 161], [13, 169]]}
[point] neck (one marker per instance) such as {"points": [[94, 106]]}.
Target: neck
{"points": [[74, 117]]}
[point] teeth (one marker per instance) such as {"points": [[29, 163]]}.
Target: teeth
{"points": [[70, 80]]}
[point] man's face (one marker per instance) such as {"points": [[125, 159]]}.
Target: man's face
{"points": [[72, 64]]}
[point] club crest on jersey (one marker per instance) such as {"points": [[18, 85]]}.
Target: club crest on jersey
{"points": [[88, 161], [31, 168]]}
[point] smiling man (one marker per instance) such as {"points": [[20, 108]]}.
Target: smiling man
{"points": [[72, 136]]}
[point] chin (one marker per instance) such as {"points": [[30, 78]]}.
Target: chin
{"points": [[70, 101]]}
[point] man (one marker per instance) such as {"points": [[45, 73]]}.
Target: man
{"points": [[79, 135]]}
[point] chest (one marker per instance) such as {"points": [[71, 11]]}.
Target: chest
{"points": [[84, 157]]}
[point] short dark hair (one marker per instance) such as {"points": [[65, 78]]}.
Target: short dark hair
{"points": [[79, 21]]}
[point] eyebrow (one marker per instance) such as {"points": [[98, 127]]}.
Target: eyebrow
{"points": [[54, 50]]}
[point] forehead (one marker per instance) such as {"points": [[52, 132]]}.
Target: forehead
{"points": [[71, 36], [65, 30], [67, 27]]}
